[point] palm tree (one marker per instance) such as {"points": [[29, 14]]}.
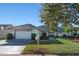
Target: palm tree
{"points": [[65, 13]]}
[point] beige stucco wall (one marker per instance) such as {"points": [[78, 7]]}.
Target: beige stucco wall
{"points": [[37, 32]]}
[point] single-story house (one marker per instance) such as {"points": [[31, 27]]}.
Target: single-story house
{"points": [[20, 32], [25, 31]]}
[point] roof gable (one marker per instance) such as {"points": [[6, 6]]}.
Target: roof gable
{"points": [[25, 26]]}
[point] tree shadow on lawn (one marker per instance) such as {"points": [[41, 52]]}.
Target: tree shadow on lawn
{"points": [[67, 54], [46, 42]]}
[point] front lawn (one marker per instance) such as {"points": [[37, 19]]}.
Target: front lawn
{"points": [[52, 47]]}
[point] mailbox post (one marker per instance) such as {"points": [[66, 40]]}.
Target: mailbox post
{"points": [[37, 38]]}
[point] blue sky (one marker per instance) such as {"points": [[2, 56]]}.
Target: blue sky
{"points": [[18, 14]]}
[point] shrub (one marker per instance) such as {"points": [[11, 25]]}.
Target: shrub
{"points": [[44, 36], [33, 36], [78, 36], [9, 36], [64, 35]]}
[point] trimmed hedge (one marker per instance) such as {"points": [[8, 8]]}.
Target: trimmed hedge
{"points": [[33, 36]]}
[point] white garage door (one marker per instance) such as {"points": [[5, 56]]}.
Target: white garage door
{"points": [[23, 34]]}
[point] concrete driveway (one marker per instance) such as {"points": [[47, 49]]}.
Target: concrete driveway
{"points": [[12, 47]]}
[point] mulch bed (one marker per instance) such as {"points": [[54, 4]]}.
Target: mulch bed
{"points": [[75, 40]]}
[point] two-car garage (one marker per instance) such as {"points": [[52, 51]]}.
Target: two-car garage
{"points": [[23, 31], [23, 34]]}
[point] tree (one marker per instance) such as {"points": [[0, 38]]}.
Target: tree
{"points": [[52, 14], [49, 16], [68, 30]]}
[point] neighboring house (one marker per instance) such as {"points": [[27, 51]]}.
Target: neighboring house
{"points": [[60, 30], [2, 26], [4, 31], [9, 29], [75, 30]]}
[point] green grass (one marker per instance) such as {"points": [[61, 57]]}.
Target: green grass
{"points": [[54, 47]]}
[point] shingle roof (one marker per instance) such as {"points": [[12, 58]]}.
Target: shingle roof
{"points": [[9, 27], [5, 25], [43, 28], [25, 26]]}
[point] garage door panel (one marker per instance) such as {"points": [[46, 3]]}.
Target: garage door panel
{"points": [[23, 35]]}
